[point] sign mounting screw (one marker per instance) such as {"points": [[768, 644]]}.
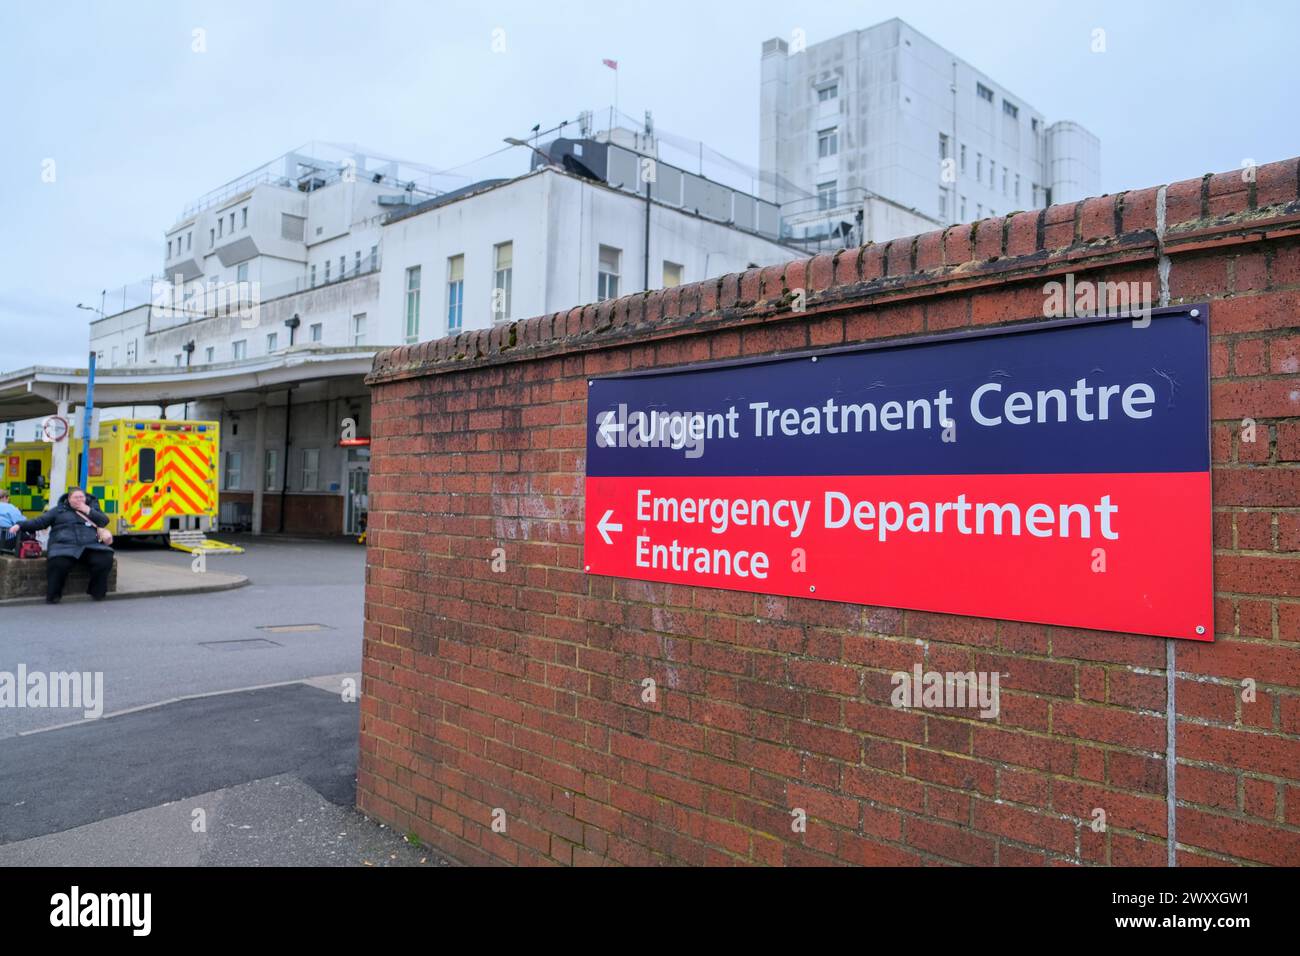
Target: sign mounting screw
{"points": [[1200, 628], [814, 358], [1196, 313], [586, 567], [590, 383], [812, 588]]}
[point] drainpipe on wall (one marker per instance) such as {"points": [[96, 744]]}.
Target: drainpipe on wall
{"points": [[952, 186]]}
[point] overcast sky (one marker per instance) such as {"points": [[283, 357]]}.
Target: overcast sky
{"points": [[138, 123]]}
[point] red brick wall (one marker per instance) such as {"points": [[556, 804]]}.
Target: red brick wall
{"points": [[303, 514], [521, 690]]}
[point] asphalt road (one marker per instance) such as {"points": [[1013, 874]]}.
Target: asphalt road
{"points": [[204, 709], [158, 649], [102, 768]]}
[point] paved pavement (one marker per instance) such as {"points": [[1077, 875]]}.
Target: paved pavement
{"points": [[232, 703], [139, 576], [278, 821]]}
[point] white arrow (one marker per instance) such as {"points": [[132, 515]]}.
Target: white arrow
{"points": [[604, 526], [606, 430]]}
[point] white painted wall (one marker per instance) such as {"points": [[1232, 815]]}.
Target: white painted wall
{"points": [[895, 98], [557, 224]]}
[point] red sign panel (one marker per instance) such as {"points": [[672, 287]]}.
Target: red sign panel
{"points": [[1048, 476]]}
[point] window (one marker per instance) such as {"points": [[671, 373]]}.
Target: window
{"points": [[113, 362], [212, 237], [244, 221], [979, 210], [343, 266], [455, 292], [979, 166], [826, 195], [828, 142], [272, 340], [943, 204], [984, 92], [607, 273], [1033, 124], [189, 241], [412, 304], [1005, 174], [221, 227], [241, 272], [963, 208], [313, 276], [943, 145], [178, 359], [1010, 109], [96, 467], [292, 227], [327, 270], [374, 258], [145, 466], [169, 248], [209, 354], [239, 349], [963, 157], [359, 329], [270, 469], [1017, 187], [130, 350], [315, 331], [234, 465], [357, 266], [672, 275], [502, 280], [310, 469], [828, 93], [232, 223]]}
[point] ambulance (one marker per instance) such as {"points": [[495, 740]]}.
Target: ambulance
{"points": [[152, 477]]}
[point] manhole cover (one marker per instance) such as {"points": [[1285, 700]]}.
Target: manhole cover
{"points": [[251, 644], [292, 628]]}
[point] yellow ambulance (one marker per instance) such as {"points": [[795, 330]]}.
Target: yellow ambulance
{"points": [[150, 476]]}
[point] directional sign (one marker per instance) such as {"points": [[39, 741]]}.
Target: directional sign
{"points": [[1056, 473]]}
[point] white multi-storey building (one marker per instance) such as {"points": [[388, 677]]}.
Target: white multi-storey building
{"points": [[282, 283], [881, 133], [578, 228]]}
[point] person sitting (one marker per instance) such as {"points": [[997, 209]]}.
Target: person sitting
{"points": [[9, 516], [77, 534]]}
